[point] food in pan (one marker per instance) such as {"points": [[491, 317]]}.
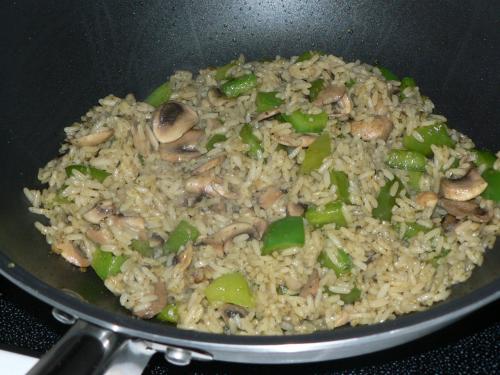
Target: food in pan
{"points": [[274, 197]]}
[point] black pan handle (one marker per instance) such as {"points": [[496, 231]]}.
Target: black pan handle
{"points": [[87, 349]]}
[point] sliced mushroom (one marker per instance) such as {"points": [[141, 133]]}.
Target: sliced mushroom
{"points": [[259, 224], [465, 188], [93, 139], [99, 236], [184, 258], [330, 94], [172, 120], [427, 199], [183, 149], [207, 166], [269, 196], [267, 114], [466, 209], [292, 140], [449, 223], [157, 305], [229, 232], [345, 105], [71, 253], [209, 185], [230, 311], [311, 287], [378, 127], [295, 209], [100, 212]]}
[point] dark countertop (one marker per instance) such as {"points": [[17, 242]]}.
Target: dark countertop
{"points": [[470, 346]]}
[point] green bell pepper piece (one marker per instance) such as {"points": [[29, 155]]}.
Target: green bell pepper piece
{"points": [[484, 158], [305, 123], [265, 101], [387, 74], [160, 95], [386, 201], [316, 153], [169, 314], [414, 179], [94, 173], [180, 236], [105, 264], [341, 182], [315, 89], [436, 134], [308, 55], [435, 260], [353, 296], [282, 234], [492, 192], [230, 288], [214, 139], [350, 83], [341, 265], [142, 247], [254, 143], [407, 160], [412, 229], [405, 83], [238, 86], [222, 71], [330, 213]]}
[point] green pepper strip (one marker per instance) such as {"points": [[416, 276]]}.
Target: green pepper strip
{"points": [[484, 158], [414, 179], [412, 229], [282, 234], [386, 201], [341, 182], [160, 95], [240, 85], [387, 74], [341, 265], [94, 173], [315, 89], [436, 134], [316, 153], [230, 288], [255, 146], [214, 139], [180, 236], [305, 123], [61, 199], [492, 192], [405, 83], [407, 160], [308, 55], [350, 83], [222, 71], [351, 297], [435, 260], [105, 264], [142, 247], [330, 213], [169, 314], [265, 101]]}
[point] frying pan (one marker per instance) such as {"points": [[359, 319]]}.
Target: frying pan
{"points": [[60, 57]]}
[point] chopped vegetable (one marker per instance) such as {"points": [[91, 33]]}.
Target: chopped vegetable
{"points": [[169, 314], [308, 55], [405, 83], [315, 89], [305, 123], [222, 71], [484, 158], [238, 86], [105, 264], [436, 134], [341, 182], [94, 173], [142, 247], [159, 95], [230, 288], [350, 83], [282, 234], [412, 229], [351, 297], [492, 192], [180, 236], [316, 153], [342, 263], [254, 143], [414, 179], [435, 260], [407, 160], [266, 101], [330, 213], [214, 139], [387, 74], [60, 198], [386, 201]]}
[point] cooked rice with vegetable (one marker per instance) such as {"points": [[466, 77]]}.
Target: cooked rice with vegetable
{"points": [[276, 197]]}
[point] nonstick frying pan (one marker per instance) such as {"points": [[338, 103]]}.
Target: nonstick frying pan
{"points": [[60, 57]]}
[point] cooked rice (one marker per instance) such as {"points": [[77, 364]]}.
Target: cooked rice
{"points": [[394, 276]]}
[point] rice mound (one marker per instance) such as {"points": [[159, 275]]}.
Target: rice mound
{"points": [[395, 275]]}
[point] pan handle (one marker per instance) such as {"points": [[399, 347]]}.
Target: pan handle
{"points": [[88, 349]]}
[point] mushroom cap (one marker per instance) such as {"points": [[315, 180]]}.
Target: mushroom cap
{"points": [[427, 199], [93, 139], [292, 140], [378, 127], [157, 305], [330, 94], [207, 166], [183, 149], [172, 120], [71, 253], [269, 196], [229, 232], [466, 209], [464, 188]]}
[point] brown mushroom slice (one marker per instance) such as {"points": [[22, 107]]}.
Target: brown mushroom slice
{"points": [[99, 236], [292, 140], [261, 226], [427, 199], [183, 149], [157, 305], [229, 232], [172, 120], [269, 196], [330, 94], [295, 209], [207, 166], [449, 223], [184, 258], [230, 311], [267, 114], [209, 185], [100, 212], [465, 188], [71, 253], [465, 209], [311, 287], [345, 105], [378, 127], [93, 139]]}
